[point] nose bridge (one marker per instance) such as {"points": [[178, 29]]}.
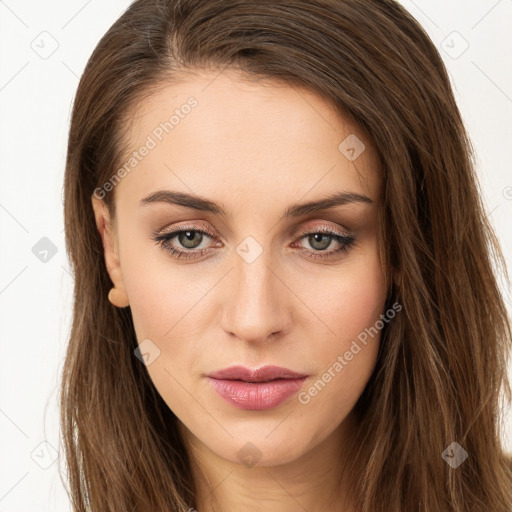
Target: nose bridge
{"points": [[255, 305]]}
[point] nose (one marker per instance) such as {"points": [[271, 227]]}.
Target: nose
{"points": [[257, 304]]}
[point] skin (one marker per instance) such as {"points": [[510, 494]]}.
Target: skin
{"points": [[256, 148]]}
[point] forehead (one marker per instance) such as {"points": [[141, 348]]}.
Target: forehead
{"points": [[215, 133]]}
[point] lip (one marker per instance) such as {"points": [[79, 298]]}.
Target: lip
{"points": [[259, 389], [265, 373]]}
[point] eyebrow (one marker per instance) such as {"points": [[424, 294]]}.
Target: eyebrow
{"points": [[204, 205]]}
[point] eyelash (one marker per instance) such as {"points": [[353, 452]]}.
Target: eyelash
{"points": [[163, 239]]}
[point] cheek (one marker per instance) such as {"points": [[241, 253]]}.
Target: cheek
{"points": [[152, 299], [352, 299], [351, 306], [160, 291], [170, 307], [163, 304]]}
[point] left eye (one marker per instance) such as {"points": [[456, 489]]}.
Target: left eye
{"points": [[190, 240], [321, 240]]}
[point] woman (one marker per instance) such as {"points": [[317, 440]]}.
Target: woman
{"points": [[285, 296]]}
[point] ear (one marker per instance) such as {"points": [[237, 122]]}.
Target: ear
{"points": [[118, 296]]}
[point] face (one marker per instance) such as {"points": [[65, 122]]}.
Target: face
{"points": [[245, 277]]}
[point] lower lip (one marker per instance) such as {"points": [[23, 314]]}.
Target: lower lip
{"points": [[256, 395]]}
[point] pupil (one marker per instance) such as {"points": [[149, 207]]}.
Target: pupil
{"points": [[317, 238], [188, 242]]}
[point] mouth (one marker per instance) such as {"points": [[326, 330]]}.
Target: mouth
{"points": [[267, 373], [255, 381], [264, 388]]}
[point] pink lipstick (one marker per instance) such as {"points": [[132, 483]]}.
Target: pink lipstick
{"points": [[259, 389]]}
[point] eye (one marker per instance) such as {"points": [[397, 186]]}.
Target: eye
{"points": [[190, 240], [321, 239]]}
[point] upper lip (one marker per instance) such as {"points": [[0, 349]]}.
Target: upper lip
{"points": [[263, 374]]}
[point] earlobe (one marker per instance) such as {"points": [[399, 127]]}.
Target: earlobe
{"points": [[117, 295]]}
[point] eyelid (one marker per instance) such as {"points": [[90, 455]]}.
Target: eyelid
{"points": [[325, 229], [185, 227]]}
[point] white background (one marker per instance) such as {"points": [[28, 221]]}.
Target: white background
{"points": [[35, 99]]}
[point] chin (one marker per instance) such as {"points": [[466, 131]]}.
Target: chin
{"points": [[264, 447]]}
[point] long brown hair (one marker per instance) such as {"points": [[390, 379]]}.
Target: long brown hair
{"points": [[442, 363]]}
